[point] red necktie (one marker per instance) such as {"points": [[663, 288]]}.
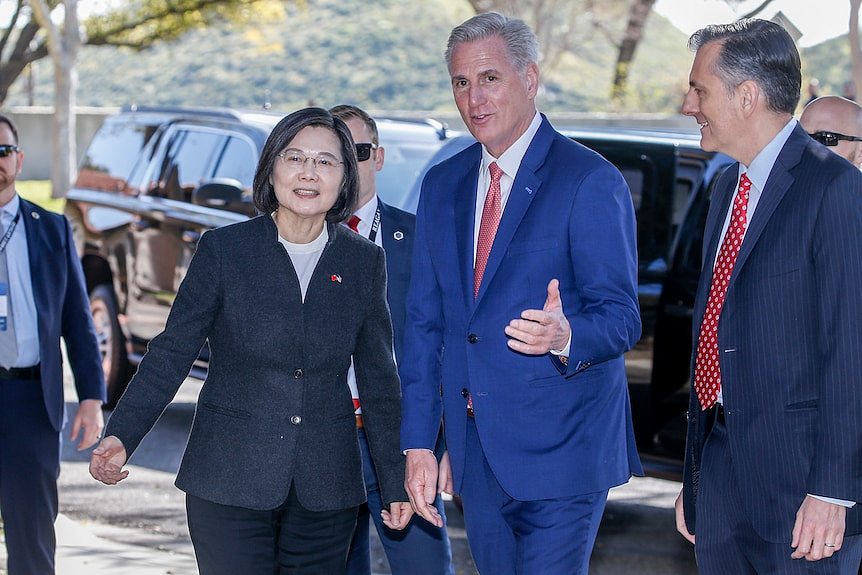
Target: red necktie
{"points": [[353, 223], [707, 371], [488, 226]]}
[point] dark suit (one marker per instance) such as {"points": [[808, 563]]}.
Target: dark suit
{"points": [[547, 430], [790, 350], [275, 411], [421, 547], [33, 413]]}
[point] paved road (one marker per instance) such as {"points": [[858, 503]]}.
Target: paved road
{"points": [[636, 535]]}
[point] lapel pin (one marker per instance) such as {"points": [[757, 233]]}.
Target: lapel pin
{"points": [[399, 235], [35, 215], [335, 278], [529, 190]]}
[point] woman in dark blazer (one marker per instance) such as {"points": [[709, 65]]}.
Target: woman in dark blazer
{"points": [[272, 471]]}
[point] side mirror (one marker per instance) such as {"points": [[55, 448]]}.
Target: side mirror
{"points": [[221, 193]]}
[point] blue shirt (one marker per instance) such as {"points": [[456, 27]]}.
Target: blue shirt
{"points": [[21, 287]]}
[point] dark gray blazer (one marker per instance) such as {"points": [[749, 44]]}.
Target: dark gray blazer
{"points": [[275, 406]]}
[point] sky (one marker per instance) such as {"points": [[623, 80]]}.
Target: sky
{"points": [[818, 20]]}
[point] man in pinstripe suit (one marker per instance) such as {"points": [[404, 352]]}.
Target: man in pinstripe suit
{"points": [[772, 473]]}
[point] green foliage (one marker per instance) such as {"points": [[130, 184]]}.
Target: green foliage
{"points": [[829, 62], [382, 55], [39, 192]]}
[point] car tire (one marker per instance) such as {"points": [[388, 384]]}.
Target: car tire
{"points": [[112, 343]]}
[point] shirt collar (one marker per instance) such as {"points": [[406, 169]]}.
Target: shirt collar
{"points": [[366, 213], [10, 209], [510, 160], [760, 168]]}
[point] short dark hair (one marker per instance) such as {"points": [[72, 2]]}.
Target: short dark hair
{"points": [[282, 135], [758, 50], [4, 119], [347, 112]]}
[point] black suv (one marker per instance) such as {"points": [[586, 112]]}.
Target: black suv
{"points": [[671, 180], [152, 181]]}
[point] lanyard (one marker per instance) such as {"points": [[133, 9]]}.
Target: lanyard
{"points": [[375, 225], [8, 235]]}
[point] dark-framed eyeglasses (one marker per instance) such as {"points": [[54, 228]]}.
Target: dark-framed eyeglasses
{"points": [[7, 150], [363, 151], [832, 138]]}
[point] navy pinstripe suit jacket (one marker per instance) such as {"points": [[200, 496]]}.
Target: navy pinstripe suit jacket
{"points": [[790, 341]]}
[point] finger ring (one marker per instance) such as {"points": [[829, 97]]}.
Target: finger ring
{"points": [[829, 545]]}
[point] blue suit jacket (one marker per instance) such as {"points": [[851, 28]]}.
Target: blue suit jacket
{"points": [[397, 227], [63, 310], [547, 430], [790, 341]]}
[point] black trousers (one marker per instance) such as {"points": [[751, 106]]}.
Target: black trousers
{"points": [[29, 467], [289, 540]]}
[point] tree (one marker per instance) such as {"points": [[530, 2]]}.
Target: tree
{"points": [[63, 46], [638, 14], [137, 25]]}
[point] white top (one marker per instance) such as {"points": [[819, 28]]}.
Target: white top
{"points": [[305, 257]]}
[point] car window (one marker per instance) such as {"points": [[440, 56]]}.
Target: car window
{"points": [[113, 154], [403, 164], [191, 152], [238, 160]]}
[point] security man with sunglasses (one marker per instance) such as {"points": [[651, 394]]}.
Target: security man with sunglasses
{"points": [[829, 119], [43, 297], [421, 548]]}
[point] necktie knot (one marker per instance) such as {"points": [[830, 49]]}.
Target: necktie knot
{"points": [[353, 223]]}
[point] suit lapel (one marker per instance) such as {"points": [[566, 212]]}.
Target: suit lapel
{"points": [[524, 188], [464, 207], [776, 188], [392, 229], [33, 226]]}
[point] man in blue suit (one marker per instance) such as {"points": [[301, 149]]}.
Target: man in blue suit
{"points": [[42, 298], [522, 302], [421, 548], [774, 451]]}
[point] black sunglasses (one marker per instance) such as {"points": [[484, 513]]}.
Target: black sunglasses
{"points": [[832, 138], [363, 151], [7, 150]]}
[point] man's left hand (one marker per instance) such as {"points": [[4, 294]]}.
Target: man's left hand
{"points": [[398, 515], [539, 331], [89, 418], [819, 529]]}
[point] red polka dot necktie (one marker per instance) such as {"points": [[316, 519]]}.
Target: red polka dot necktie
{"points": [[488, 226], [707, 370], [353, 223]]}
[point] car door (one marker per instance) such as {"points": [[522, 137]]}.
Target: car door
{"points": [[162, 240]]}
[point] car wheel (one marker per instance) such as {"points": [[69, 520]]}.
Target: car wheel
{"points": [[115, 361]]}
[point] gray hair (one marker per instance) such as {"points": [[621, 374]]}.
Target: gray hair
{"points": [[758, 50], [520, 40]]}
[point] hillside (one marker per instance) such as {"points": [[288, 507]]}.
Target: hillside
{"points": [[383, 55]]}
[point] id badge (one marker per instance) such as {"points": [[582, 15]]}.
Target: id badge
{"points": [[4, 305]]}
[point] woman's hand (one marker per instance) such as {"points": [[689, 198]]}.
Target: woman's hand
{"points": [[398, 515], [107, 460]]}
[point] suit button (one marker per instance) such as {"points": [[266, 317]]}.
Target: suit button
{"points": [[297, 373], [465, 393], [296, 420], [472, 338]]}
